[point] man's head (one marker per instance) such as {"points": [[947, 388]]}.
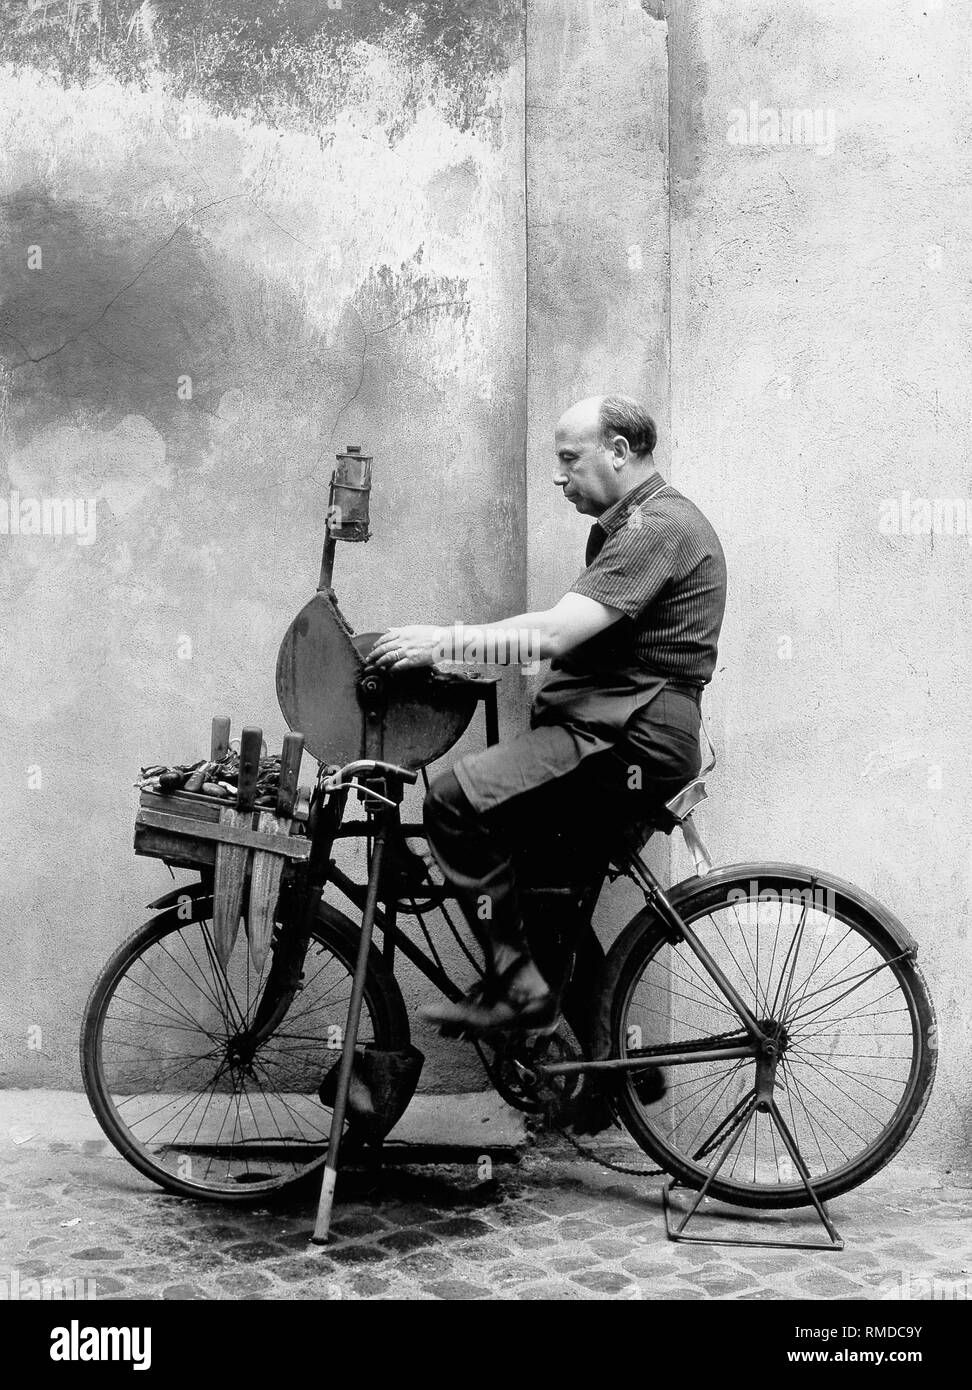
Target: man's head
{"points": [[604, 448]]}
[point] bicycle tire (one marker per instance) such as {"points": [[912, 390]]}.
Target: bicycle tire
{"points": [[334, 933], [646, 938]]}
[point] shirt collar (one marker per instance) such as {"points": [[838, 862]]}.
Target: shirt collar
{"points": [[618, 513]]}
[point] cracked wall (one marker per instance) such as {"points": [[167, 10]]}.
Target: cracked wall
{"points": [[251, 245]]}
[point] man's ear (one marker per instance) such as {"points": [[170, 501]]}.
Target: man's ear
{"points": [[621, 450]]}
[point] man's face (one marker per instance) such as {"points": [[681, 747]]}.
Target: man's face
{"points": [[585, 468]]}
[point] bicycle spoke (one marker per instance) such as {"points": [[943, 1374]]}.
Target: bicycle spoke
{"points": [[818, 1071], [726, 1083], [206, 1109], [861, 977], [732, 957], [812, 1125], [794, 950], [703, 1089]]}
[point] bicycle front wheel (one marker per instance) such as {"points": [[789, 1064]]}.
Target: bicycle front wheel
{"points": [[176, 1082], [848, 1007]]}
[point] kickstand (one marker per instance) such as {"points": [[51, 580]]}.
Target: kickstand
{"points": [[676, 1232]]}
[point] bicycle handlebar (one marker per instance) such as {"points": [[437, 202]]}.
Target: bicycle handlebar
{"points": [[371, 765]]}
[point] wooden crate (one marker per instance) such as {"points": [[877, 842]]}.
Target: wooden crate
{"points": [[243, 843], [184, 829]]}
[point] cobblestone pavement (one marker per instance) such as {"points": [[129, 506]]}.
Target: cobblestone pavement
{"points": [[550, 1226]]}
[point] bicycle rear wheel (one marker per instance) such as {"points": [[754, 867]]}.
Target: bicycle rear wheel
{"points": [[169, 1073], [849, 1008]]}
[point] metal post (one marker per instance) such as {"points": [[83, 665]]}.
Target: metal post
{"points": [[322, 1228], [327, 566]]}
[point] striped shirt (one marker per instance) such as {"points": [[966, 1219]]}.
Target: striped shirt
{"points": [[654, 556], [634, 688]]}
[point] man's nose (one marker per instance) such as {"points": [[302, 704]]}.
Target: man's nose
{"points": [[559, 477]]}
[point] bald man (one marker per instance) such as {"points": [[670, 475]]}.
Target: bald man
{"points": [[614, 730]]}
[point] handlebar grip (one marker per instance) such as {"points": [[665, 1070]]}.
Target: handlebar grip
{"points": [[397, 771], [393, 769]]}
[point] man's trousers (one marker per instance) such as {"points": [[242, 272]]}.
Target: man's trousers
{"points": [[552, 805]]}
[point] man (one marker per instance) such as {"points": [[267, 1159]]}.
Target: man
{"points": [[614, 729]]}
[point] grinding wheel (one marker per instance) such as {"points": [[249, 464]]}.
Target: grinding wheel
{"points": [[410, 718]]}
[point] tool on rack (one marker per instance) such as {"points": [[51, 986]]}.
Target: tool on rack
{"points": [[267, 867], [195, 828], [231, 859]]}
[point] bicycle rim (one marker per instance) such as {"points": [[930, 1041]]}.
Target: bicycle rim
{"points": [[172, 1080], [855, 1029]]}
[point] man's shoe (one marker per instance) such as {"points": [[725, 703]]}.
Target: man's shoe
{"points": [[469, 1019], [445, 1017], [520, 1001]]}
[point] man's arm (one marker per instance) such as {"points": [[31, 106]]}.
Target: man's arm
{"points": [[520, 640]]}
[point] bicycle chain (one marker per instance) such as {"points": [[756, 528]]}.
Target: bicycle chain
{"points": [[699, 1045]]}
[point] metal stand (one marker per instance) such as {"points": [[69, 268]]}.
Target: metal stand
{"points": [[769, 1107], [326, 1204]]}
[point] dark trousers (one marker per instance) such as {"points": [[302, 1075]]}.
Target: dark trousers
{"points": [[551, 815]]}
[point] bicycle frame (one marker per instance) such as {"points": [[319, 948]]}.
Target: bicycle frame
{"points": [[673, 920], [759, 1043]]}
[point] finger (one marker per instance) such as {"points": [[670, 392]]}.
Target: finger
{"points": [[385, 646]]}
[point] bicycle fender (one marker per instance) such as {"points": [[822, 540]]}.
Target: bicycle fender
{"points": [[187, 890], [770, 875]]}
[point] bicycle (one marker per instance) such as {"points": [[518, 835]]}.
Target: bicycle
{"points": [[785, 1006]]}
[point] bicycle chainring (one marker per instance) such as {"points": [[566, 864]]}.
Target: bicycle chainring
{"points": [[512, 1069]]}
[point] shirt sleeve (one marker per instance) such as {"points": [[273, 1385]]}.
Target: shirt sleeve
{"points": [[633, 566]]}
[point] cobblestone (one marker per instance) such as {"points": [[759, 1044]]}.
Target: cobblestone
{"points": [[551, 1227]]}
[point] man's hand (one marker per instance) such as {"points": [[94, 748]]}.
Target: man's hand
{"points": [[405, 648]]}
